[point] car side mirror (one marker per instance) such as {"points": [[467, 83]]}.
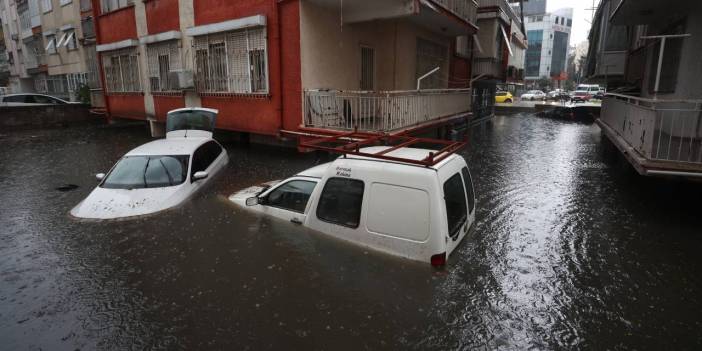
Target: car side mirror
{"points": [[200, 175], [252, 201], [100, 176]]}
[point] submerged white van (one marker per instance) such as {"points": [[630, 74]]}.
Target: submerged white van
{"points": [[413, 211]]}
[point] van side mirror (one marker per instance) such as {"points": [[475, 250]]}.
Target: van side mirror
{"points": [[252, 201], [100, 176], [200, 175]]}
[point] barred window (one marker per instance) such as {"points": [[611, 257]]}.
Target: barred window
{"points": [[122, 70], [232, 62], [111, 5], [163, 57]]}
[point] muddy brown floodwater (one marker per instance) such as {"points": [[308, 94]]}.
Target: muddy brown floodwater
{"points": [[571, 251]]}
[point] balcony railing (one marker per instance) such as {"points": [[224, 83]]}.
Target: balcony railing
{"points": [[465, 9], [659, 130], [506, 9], [488, 66], [381, 111]]}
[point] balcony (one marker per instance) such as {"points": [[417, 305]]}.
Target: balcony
{"points": [[382, 111], [445, 17], [659, 137], [488, 67], [488, 8]]}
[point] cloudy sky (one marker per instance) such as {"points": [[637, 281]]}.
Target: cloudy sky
{"points": [[582, 16]]}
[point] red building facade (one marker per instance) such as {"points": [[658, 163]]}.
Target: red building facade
{"points": [[262, 63]]}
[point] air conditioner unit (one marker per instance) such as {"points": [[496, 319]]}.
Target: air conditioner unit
{"points": [[15, 36], [181, 80]]}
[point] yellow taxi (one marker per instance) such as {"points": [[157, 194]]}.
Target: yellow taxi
{"points": [[503, 97]]}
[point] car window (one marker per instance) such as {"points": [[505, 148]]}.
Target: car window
{"points": [[292, 195], [39, 99], [455, 198], [205, 155], [134, 172], [14, 98], [340, 202], [468, 183], [501, 93]]}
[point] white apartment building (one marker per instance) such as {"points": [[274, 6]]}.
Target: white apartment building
{"points": [[548, 35]]}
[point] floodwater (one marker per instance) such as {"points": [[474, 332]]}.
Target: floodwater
{"points": [[571, 250]]}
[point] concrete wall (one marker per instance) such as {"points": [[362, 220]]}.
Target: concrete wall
{"points": [[331, 54], [29, 117]]}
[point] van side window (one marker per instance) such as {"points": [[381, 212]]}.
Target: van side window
{"points": [[455, 198], [340, 202], [205, 155], [292, 195], [468, 183]]}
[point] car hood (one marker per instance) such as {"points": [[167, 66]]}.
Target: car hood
{"points": [[103, 203], [240, 196]]}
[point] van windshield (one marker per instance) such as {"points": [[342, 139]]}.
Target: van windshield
{"points": [[135, 172]]}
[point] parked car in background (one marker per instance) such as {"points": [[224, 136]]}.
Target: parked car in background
{"points": [[591, 89], [600, 94], [32, 99], [503, 97], [558, 95], [580, 96], [417, 212], [532, 95], [160, 174]]}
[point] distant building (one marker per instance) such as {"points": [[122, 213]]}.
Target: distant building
{"points": [[4, 64], [50, 45], [649, 53], [548, 35]]}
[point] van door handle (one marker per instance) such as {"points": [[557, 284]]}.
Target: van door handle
{"points": [[296, 221]]}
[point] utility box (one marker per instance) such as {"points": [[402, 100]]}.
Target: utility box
{"points": [[181, 80]]}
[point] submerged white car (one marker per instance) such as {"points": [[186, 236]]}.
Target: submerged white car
{"points": [[417, 212], [160, 174]]}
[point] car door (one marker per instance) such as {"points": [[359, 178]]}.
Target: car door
{"points": [[288, 200]]}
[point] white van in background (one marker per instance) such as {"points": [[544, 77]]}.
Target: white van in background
{"points": [[417, 212]]}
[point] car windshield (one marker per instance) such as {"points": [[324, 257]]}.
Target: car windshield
{"points": [[135, 172], [535, 92]]}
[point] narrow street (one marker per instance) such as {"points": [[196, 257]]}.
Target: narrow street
{"points": [[571, 250]]}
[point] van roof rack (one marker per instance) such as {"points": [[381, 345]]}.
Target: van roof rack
{"points": [[350, 143]]}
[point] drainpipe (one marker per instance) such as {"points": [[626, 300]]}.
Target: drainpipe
{"points": [[95, 4], [279, 106]]}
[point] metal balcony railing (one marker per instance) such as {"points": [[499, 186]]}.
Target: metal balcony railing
{"points": [[465, 9], [660, 130], [488, 66], [381, 111], [502, 4]]}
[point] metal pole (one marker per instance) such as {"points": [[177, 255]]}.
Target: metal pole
{"points": [[419, 80], [660, 65]]}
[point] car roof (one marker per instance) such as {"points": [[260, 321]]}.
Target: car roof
{"points": [[316, 171], [170, 146]]}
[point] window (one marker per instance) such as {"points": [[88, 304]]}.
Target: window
{"points": [[468, 183], [51, 44], [232, 62], [556, 20], [562, 21], [111, 5], [455, 198], [68, 40], [40, 99], [205, 155], [163, 58], [46, 6], [65, 2], [533, 53], [292, 195], [429, 56], [570, 22], [121, 70], [340, 202], [367, 68], [134, 172]]}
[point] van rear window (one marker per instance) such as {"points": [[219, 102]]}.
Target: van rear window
{"points": [[456, 210], [340, 202]]}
